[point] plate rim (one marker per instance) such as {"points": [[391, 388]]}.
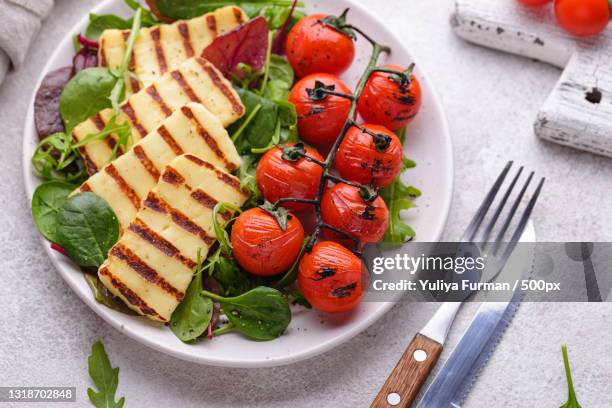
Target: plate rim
{"points": [[294, 357]]}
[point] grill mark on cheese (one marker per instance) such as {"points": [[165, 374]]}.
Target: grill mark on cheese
{"points": [[123, 185], [171, 176], [218, 82], [147, 272], [159, 49], [129, 111], [129, 294], [152, 91], [238, 15], [211, 21], [157, 204], [135, 85], [210, 141], [139, 228], [85, 188], [183, 29], [209, 202], [89, 164], [98, 121], [103, 60], [167, 136], [180, 79], [146, 162], [224, 177]]}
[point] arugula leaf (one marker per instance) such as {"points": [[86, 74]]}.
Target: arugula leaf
{"points": [[86, 94], [55, 159], [123, 132], [87, 228], [99, 23], [262, 313], [185, 9], [47, 200], [105, 377], [398, 196], [572, 402], [222, 236], [103, 295], [117, 94], [193, 315]]}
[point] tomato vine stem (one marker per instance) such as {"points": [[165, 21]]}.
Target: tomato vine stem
{"points": [[327, 165]]}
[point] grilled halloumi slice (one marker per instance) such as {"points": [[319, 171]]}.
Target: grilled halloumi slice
{"points": [[126, 181], [196, 80], [164, 47], [152, 264]]}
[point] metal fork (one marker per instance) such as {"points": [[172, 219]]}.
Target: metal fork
{"points": [[413, 368]]}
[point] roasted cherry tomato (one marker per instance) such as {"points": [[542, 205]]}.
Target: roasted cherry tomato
{"points": [[582, 17], [373, 156], [320, 117], [329, 277], [313, 46], [389, 101], [261, 246], [534, 2], [344, 208], [279, 178]]}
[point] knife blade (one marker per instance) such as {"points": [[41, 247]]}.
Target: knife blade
{"points": [[452, 384]]}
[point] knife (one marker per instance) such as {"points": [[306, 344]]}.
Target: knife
{"points": [[452, 384]]}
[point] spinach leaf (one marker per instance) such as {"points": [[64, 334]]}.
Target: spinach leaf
{"points": [[105, 377], [185, 9], [193, 314], [86, 94], [281, 79], [262, 313], [277, 15], [246, 173], [48, 198], [233, 279], [87, 228], [104, 296], [148, 19], [262, 127], [572, 401], [274, 122], [398, 196], [99, 23]]}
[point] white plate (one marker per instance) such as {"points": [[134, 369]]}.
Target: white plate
{"points": [[310, 333]]}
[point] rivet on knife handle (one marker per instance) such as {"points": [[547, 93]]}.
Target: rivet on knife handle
{"points": [[409, 374]]}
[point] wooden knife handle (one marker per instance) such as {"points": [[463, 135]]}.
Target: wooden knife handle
{"points": [[408, 376]]}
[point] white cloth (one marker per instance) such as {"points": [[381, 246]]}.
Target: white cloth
{"points": [[21, 20]]}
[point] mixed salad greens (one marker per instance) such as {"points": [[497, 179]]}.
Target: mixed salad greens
{"points": [[249, 279]]}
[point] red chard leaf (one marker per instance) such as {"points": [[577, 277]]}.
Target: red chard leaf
{"points": [[46, 104], [247, 44], [278, 46]]}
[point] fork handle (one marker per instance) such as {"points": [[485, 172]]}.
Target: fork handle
{"points": [[408, 376]]}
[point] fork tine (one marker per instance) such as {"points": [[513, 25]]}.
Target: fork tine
{"points": [[517, 202], [500, 207], [472, 228], [523, 222]]}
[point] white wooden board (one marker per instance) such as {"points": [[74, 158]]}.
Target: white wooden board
{"points": [[578, 112]]}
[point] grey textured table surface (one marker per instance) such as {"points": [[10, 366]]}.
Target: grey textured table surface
{"points": [[491, 100]]}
